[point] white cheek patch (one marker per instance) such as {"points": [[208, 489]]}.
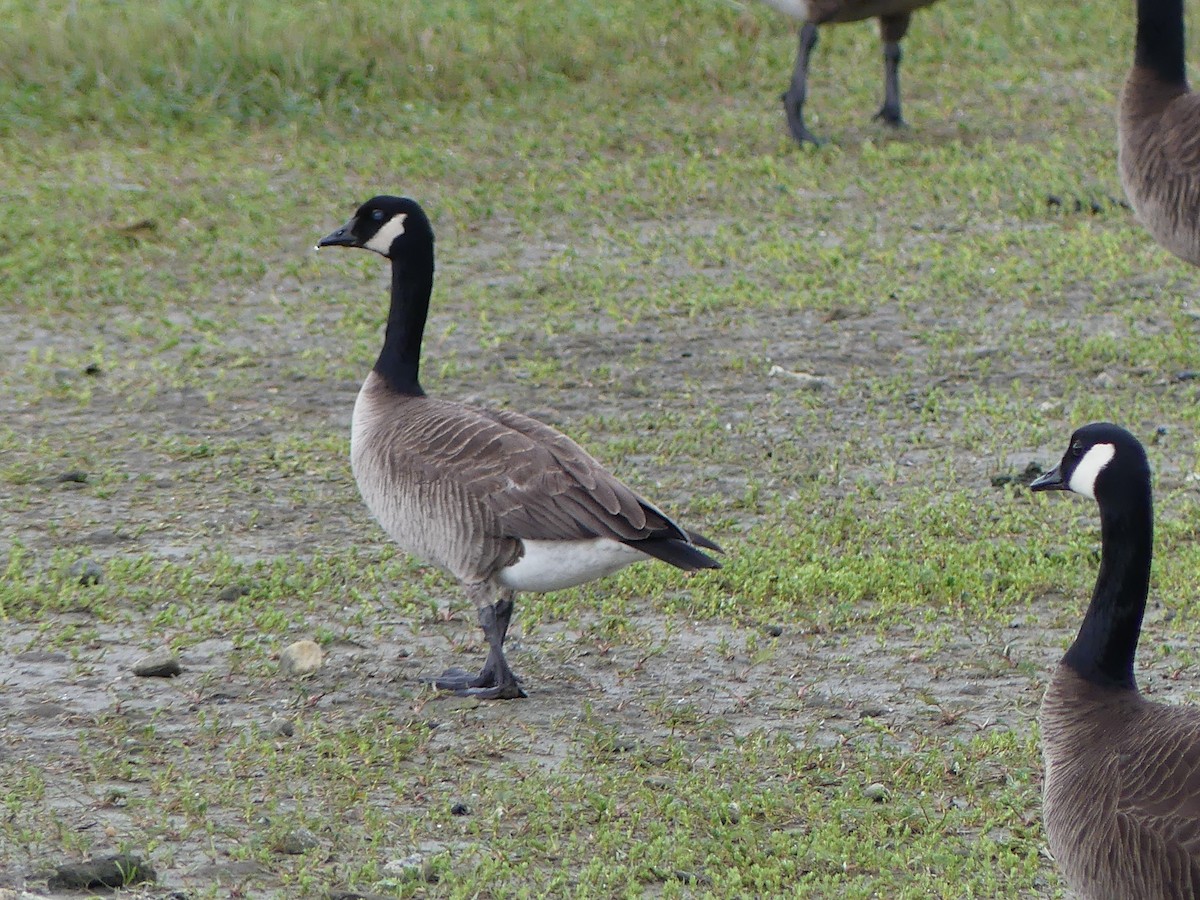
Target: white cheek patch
{"points": [[1083, 479], [381, 243]]}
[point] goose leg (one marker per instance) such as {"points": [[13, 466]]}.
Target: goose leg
{"points": [[797, 92], [495, 680], [892, 29]]}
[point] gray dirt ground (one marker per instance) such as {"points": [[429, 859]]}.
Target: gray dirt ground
{"points": [[814, 685]]}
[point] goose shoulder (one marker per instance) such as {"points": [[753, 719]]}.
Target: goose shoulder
{"points": [[534, 482]]}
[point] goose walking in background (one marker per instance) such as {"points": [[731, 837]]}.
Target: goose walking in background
{"points": [[1158, 127], [893, 15], [498, 500], [1122, 786]]}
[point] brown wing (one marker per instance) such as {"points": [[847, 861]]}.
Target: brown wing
{"points": [[536, 482], [560, 477]]}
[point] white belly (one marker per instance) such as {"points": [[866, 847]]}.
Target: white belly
{"points": [[797, 9], [553, 565]]}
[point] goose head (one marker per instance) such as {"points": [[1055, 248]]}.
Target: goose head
{"points": [[1102, 462], [391, 226]]}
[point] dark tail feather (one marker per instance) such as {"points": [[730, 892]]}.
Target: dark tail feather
{"points": [[678, 553], [701, 541]]}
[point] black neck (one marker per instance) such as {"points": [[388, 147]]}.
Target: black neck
{"points": [[1160, 39], [412, 284], [1107, 641]]}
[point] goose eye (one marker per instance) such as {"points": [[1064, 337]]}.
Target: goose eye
{"points": [[1077, 448], [377, 215]]}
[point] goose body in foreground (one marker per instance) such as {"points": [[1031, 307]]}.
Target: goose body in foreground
{"points": [[500, 501], [1158, 128], [1121, 799], [894, 17]]}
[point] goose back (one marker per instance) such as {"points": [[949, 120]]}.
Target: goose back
{"points": [[1121, 799]]}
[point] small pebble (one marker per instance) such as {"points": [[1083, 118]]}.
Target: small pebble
{"points": [[733, 814], [458, 808], [86, 571], [300, 659], [285, 728], [876, 792], [773, 630], [162, 663], [297, 841]]}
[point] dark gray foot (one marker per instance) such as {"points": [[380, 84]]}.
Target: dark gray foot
{"points": [[487, 685], [889, 116]]}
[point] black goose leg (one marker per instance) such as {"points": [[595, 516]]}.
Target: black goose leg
{"points": [[797, 92], [495, 680], [892, 29]]}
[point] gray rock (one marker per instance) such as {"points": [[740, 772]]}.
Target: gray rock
{"points": [[284, 728], [86, 571], [872, 711], [162, 663], [232, 592], [104, 872], [300, 659], [297, 841], [104, 537], [876, 792], [414, 867]]}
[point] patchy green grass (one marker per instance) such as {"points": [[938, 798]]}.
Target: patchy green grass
{"points": [[823, 358]]}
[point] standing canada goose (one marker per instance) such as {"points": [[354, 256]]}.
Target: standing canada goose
{"points": [[498, 500], [893, 18], [1122, 789], [1158, 129]]}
